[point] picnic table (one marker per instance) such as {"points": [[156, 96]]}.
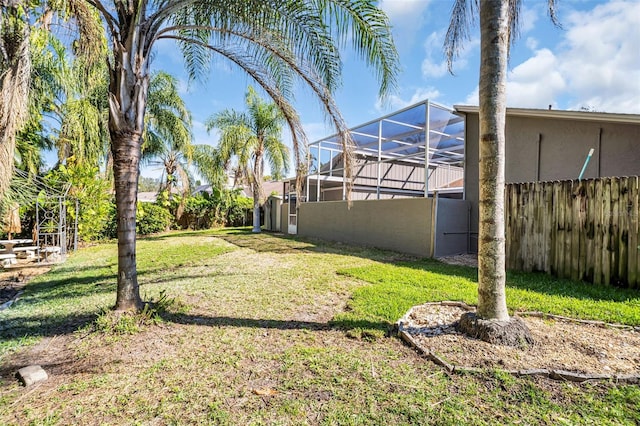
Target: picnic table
{"points": [[10, 244]]}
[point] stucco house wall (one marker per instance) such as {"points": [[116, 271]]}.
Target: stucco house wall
{"points": [[404, 225], [553, 145]]}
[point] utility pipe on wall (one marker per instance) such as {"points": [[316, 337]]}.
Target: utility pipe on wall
{"points": [[586, 162]]}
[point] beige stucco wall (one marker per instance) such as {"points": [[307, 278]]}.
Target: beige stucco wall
{"points": [[564, 145], [403, 225]]}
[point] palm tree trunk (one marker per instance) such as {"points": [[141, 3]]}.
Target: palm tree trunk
{"points": [[494, 25], [126, 156], [257, 190]]}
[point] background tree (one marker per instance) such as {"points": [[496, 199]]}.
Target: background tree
{"points": [[252, 137], [498, 29], [18, 20], [15, 78], [277, 43], [167, 136]]}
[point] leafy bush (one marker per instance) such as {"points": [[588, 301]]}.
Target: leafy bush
{"points": [[110, 230], [220, 208], [152, 218], [92, 193], [238, 211]]}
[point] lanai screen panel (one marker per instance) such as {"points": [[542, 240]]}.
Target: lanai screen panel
{"points": [[392, 158]]}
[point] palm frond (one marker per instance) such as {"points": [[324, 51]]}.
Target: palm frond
{"points": [[463, 16]]}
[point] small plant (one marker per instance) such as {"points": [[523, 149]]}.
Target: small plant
{"points": [[121, 323], [118, 323]]}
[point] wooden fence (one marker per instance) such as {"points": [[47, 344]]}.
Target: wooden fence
{"points": [[584, 230]]}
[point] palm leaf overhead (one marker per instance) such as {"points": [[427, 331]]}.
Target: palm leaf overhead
{"points": [[168, 121]]}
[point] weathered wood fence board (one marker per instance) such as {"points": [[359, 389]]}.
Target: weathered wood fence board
{"points": [[584, 230]]}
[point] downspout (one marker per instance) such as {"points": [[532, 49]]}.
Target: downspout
{"points": [[598, 170], [434, 224], [539, 146]]}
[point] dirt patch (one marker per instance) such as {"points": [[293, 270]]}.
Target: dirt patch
{"points": [[559, 344], [12, 281], [461, 260]]}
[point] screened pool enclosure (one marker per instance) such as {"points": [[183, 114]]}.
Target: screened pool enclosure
{"points": [[410, 153]]}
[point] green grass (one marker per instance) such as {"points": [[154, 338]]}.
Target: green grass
{"points": [[255, 312], [394, 288]]}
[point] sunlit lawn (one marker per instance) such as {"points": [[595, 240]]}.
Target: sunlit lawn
{"points": [[256, 314]]}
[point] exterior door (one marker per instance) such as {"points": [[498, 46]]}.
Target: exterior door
{"points": [[293, 214]]}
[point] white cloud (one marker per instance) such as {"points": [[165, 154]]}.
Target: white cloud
{"points": [[536, 82], [472, 98], [600, 57], [406, 18], [532, 43], [528, 19], [201, 136], [317, 130], [433, 47], [396, 102], [434, 65], [183, 87]]}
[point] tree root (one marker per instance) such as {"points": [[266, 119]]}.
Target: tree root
{"points": [[513, 332]]}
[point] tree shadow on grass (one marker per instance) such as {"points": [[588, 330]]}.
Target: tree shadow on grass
{"points": [[281, 243], [198, 233], [44, 325], [182, 234], [263, 323]]}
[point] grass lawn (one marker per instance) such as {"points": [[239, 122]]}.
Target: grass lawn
{"points": [[264, 330]]}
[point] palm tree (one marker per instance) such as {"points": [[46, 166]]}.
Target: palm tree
{"points": [[17, 27], [277, 43], [167, 137], [15, 77], [251, 137], [498, 27], [82, 112]]}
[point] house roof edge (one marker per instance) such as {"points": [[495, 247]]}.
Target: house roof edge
{"points": [[561, 114]]}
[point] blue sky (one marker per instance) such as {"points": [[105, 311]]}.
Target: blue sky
{"points": [[593, 61]]}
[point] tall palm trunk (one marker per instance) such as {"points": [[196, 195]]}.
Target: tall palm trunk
{"points": [[15, 80], [257, 189], [494, 25], [126, 154]]}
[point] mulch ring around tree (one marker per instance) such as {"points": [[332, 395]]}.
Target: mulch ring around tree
{"points": [[564, 348]]}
